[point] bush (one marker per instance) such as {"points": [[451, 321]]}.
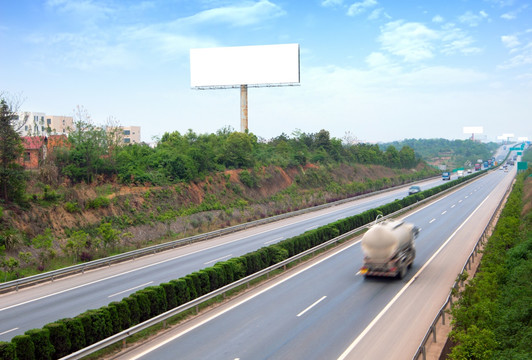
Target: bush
{"points": [[144, 305], [7, 350], [123, 315], [72, 207], [182, 291], [41, 341], [76, 333], [134, 310], [248, 179], [24, 347], [59, 338], [98, 202], [170, 292]]}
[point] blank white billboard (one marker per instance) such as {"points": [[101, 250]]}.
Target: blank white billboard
{"points": [[244, 65]]}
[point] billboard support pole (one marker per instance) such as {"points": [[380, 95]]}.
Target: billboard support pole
{"points": [[243, 108]]}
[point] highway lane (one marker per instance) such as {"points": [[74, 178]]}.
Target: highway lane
{"points": [[36, 306], [323, 309]]}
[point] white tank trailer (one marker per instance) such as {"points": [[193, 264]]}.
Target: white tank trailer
{"points": [[388, 248]]}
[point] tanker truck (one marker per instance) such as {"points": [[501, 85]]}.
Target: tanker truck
{"points": [[388, 248]]}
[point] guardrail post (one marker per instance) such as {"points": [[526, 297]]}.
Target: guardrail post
{"points": [[164, 324], [197, 309], [443, 317], [123, 343], [424, 352], [434, 333]]}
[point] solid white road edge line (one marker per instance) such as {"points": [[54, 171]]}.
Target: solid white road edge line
{"points": [[389, 305], [311, 306], [133, 288]]}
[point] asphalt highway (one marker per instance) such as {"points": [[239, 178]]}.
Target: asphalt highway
{"points": [[327, 310]]}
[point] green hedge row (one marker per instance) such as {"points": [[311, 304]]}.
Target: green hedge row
{"points": [[69, 335]]}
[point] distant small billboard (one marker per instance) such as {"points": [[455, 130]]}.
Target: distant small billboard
{"points": [[261, 65]]}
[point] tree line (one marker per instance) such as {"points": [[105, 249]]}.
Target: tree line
{"points": [[94, 152]]}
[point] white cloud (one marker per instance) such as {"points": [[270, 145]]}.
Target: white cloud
{"points": [[508, 16], [248, 13], [510, 41], [412, 41], [83, 10], [437, 19], [472, 19], [522, 57], [331, 2], [454, 40], [416, 42], [360, 7]]}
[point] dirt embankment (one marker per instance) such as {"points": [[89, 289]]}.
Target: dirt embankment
{"points": [[223, 199]]}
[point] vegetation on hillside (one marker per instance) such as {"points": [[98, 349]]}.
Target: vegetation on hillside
{"points": [[493, 317], [183, 158], [452, 153]]}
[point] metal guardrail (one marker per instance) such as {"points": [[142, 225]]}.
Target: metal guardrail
{"points": [[162, 318], [81, 268], [421, 351]]}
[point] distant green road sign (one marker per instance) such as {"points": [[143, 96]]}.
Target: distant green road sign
{"points": [[522, 166], [519, 153]]}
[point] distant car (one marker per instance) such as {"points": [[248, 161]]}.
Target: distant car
{"points": [[414, 190], [469, 171], [505, 169]]}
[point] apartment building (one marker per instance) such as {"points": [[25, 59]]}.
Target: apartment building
{"points": [[40, 124], [127, 134]]}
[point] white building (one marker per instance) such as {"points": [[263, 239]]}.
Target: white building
{"points": [[40, 124]]}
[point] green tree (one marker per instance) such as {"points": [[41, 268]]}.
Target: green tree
{"points": [[44, 242], [108, 236], [89, 153], [238, 150], [76, 243], [9, 265], [12, 178]]}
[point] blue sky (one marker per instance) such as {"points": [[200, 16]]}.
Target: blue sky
{"points": [[379, 70]]}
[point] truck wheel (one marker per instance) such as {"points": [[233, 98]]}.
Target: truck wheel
{"points": [[402, 272]]}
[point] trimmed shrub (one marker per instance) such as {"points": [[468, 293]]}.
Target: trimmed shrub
{"points": [[41, 341], [222, 277], [115, 320], [123, 314], [144, 305], [205, 284], [155, 300], [182, 291], [76, 333], [134, 310], [24, 347], [7, 349], [171, 299], [213, 278], [108, 324], [191, 286], [59, 338]]}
